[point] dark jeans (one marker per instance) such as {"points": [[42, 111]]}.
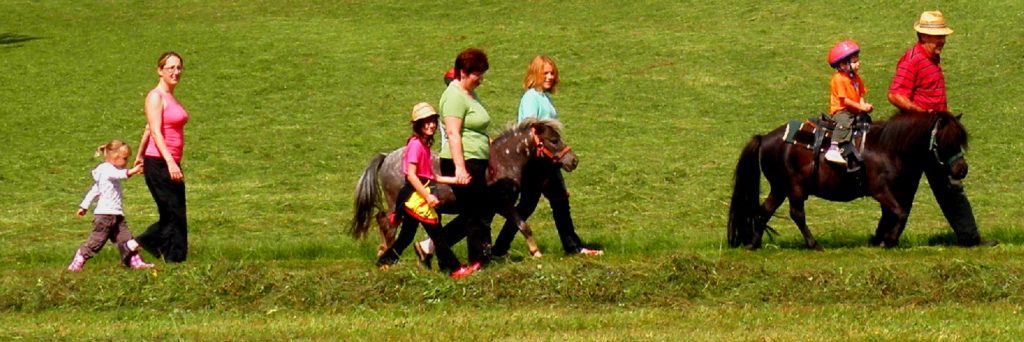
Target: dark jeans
{"points": [[476, 211], [107, 227], [954, 204], [168, 237], [547, 181], [446, 259]]}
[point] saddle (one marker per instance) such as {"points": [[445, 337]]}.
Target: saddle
{"points": [[815, 134]]}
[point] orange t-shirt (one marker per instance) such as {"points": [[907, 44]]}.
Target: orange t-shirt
{"points": [[843, 87]]}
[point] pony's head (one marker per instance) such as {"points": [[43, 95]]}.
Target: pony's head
{"points": [[547, 138], [948, 144]]}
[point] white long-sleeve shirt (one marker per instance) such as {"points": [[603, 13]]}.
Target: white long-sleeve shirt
{"points": [[107, 186]]}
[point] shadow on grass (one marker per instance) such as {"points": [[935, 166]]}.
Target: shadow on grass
{"points": [[855, 241], [14, 38]]}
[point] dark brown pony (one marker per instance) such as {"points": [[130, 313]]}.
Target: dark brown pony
{"points": [[532, 141], [895, 152]]}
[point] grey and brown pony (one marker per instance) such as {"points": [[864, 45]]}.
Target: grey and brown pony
{"points": [[531, 141], [895, 152]]}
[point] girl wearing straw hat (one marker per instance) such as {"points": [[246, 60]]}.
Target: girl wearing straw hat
{"points": [[416, 203]]}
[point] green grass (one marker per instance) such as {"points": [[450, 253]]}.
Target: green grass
{"points": [[289, 100]]}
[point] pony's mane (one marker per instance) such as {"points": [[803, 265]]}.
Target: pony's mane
{"points": [[905, 129], [512, 128]]}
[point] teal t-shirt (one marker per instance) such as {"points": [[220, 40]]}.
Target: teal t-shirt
{"points": [[535, 104], [456, 103]]}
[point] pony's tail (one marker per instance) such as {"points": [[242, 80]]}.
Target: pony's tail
{"points": [[368, 198], [746, 193]]}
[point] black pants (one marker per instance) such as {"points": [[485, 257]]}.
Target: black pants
{"points": [[954, 204], [476, 211], [446, 259], [168, 237], [544, 180]]}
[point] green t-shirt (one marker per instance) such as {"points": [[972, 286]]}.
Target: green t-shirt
{"points": [[455, 103]]}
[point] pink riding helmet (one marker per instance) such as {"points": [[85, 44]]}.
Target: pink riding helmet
{"points": [[842, 50]]}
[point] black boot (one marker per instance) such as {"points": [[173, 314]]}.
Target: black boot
{"points": [[853, 161]]}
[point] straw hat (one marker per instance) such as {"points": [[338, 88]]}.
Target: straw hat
{"points": [[932, 23], [422, 110]]}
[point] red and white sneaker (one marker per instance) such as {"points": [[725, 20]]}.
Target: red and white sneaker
{"points": [[78, 263], [463, 272], [137, 263], [591, 252]]}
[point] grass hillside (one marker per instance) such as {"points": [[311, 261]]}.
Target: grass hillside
{"points": [[289, 100]]}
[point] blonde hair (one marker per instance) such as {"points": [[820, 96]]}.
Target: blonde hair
{"points": [[113, 148], [535, 74]]}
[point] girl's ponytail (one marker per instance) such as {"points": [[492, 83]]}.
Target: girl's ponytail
{"points": [[114, 146], [101, 151]]}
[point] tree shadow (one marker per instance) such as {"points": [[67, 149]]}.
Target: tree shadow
{"points": [[14, 38]]}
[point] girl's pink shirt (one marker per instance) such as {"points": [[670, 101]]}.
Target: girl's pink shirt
{"points": [[419, 154], [174, 119]]}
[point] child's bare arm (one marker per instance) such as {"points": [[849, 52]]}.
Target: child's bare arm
{"points": [[448, 180], [137, 169], [410, 175], [860, 107]]}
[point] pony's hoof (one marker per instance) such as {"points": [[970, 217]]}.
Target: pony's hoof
{"points": [[536, 254]]}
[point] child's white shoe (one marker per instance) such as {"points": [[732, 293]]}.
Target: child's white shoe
{"points": [[833, 155], [78, 263], [133, 246]]}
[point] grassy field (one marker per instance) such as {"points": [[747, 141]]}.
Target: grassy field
{"points": [[289, 100]]}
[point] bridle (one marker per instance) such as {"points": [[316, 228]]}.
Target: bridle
{"points": [[544, 151], [934, 148]]}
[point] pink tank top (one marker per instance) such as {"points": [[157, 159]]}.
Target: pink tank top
{"points": [[174, 120]]}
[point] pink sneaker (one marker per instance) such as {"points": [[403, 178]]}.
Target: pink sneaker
{"points": [[591, 252], [476, 266], [137, 263], [77, 264]]}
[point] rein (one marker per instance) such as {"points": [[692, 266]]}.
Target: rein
{"points": [[544, 151], [934, 148]]}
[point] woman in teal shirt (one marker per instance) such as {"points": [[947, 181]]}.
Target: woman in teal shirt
{"points": [[540, 81]]}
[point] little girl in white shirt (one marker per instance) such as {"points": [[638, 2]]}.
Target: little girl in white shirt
{"points": [[108, 218]]}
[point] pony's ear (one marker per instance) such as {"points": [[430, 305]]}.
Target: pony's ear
{"points": [[958, 116]]}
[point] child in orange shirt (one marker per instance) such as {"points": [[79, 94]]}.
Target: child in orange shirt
{"points": [[846, 101]]}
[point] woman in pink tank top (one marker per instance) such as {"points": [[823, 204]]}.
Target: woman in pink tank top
{"points": [[164, 142]]}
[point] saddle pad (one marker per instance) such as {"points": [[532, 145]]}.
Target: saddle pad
{"points": [[799, 132]]}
